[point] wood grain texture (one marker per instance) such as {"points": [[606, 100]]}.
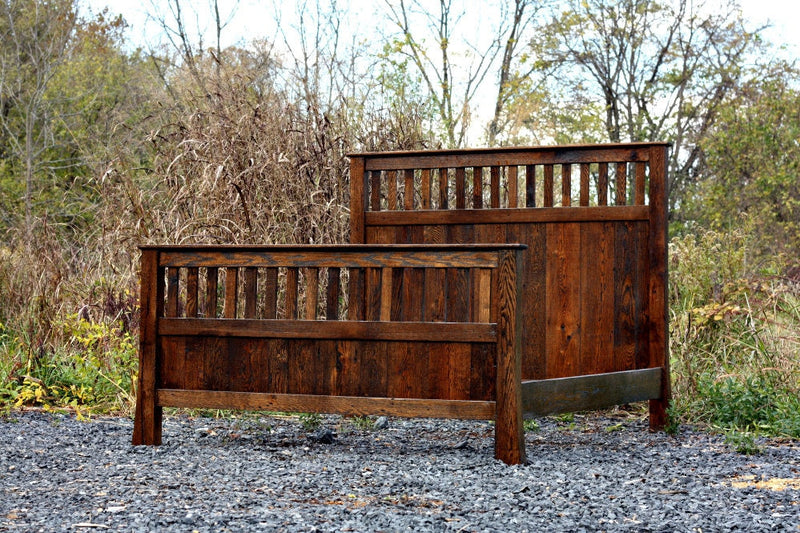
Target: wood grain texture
{"points": [[622, 183], [477, 188], [346, 405], [461, 188], [602, 184], [332, 294], [513, 187], [657, 283], [270, 291], [584, 193], [530, 186], [391, 190], [358, 198], [494, 187], [408, 190], [212, 287], [509, 437], [563, 300], [231, 292], [548, 186], [148, 414], [425, 190], [597, 298], [250, 292], [192, 284], [566, 185]]}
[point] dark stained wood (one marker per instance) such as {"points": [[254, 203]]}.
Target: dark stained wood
{"points": [[212, 281], [507, 216], [494, 187], [373, 287], [148, 414], [172, 373], [291, 293], [627, 296], [395, 256], [579, 393], [346, 405], [584, 194], [408, 190], [250, 292], [513, 187], [622, 180], [332, 294], [641, 169], [509, 437], [459, 331], [461, 190], [173, 277], [358, 198], [597, 298], [191, 291], [657, 283], [477, 188], [540, 155], [270, 291], [602, 184], [312, 292], [530, 186], [375, 190], [563, 300], [566, 185], [231, 292], [391, 190], [548, 186], [442, 188], [425, 190]]}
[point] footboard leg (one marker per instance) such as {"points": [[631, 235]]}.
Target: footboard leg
{"points": [[147, 421], [509, 436]]}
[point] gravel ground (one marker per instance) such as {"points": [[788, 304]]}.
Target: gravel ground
{"points": [[268, 473]]}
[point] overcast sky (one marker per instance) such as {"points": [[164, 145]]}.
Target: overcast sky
{"points": [[253, 17]]}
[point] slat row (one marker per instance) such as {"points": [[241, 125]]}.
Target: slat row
{"points": [[509, 186]]}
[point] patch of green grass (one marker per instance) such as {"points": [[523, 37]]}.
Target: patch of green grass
{"points": [[310, 421], [363, 423], [530, 424]]}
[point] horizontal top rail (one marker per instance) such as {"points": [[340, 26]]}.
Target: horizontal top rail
{"points": [[356, 256], [531, 155]]}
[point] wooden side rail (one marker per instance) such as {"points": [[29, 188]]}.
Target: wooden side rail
{"points": [[352, 329]]}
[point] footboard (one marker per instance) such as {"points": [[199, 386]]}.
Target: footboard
{"points": [[403, 330]]}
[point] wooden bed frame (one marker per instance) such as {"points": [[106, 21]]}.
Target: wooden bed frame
{"points": [[416, 319]]}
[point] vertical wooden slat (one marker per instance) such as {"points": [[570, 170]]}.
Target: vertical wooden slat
{"points": [[408, 190], [374, 190], [509, 436], [372, 304], [602, 184], [622, 180], [657, 300], [212, 276], [391, 190], [641, 168], [386, 294], [356, 294], [597, 298], [191, 291], [584, 197], [250, 292], [231, 296], [461, 189], [477, 188], [332, 294], [443, 204], [548, 186], [494, 185], [563, 299], [513, 186], [530, 185], [566, 185], [270, 291], [425, 190], [173, 277], [312, 292], [291, 293], [358, 199], [148, 415], [483, 300]]}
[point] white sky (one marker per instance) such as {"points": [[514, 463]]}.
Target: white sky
{"points": [[252, 17]]}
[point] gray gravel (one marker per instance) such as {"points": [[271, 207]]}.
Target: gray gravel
{"points": [[268, 473]]}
